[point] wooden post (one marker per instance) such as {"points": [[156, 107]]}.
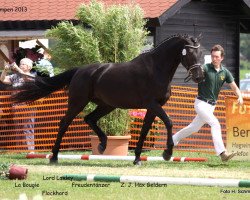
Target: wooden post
{"points": [[6, 59], [41, 44]]}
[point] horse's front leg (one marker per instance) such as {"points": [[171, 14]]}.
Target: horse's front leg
{"points": [[157, 109], [147, 122]]}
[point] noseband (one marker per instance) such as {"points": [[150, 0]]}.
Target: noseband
{"points": [[189, 76]]}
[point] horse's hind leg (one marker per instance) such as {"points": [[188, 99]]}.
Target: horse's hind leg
{"points": [[74, 108], [92, 118], [148, 120]]}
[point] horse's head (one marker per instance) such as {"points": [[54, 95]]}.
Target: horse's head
{"points": [[191, 56]]}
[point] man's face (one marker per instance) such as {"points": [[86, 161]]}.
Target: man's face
{"points": [[216, 58]]}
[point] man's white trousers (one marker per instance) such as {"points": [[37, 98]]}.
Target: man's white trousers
{"points": [[204, 115]]}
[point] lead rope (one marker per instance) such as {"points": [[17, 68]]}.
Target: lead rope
{"points": [[188, 78]]}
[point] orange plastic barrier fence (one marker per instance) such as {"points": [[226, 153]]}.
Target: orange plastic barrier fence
{"points": [[47, 114], [180, 108], [48, 111]]}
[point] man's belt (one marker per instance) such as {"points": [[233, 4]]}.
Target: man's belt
{"points": [[211, 102]]}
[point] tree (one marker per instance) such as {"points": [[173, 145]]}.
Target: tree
{"points": [[104, 34], [244, 55], [245, 45]]}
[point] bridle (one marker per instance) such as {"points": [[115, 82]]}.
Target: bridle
{"points": [[189, 76], [190, 68]]}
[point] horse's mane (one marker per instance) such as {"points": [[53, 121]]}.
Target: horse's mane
{"points": [[184, 36]]}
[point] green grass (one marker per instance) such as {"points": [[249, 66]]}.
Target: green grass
{"points": [[39, 168]]}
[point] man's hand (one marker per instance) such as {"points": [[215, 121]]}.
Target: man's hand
{"points": [[14, 66], [237, 92], [7, 67], [240, 100]]}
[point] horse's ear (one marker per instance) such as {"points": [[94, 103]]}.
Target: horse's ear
{"points": [[199, 37]]}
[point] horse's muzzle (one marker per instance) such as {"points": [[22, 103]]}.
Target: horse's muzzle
{"points": [[198, 79]]}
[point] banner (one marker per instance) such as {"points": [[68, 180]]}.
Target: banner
{"points": [[238, 128]]}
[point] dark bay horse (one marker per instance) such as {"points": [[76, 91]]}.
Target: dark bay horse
{"points": [[143, 82]]}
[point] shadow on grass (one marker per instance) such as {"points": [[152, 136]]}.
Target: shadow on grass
{"points": [[217, 165]]}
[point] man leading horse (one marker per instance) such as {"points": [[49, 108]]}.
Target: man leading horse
{"points": [[208, 90]]}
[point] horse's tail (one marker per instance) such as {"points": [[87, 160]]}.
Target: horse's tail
{"points": [[43, 86]]}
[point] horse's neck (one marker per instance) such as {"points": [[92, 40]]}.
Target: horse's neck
{"points": [[167, 57]]}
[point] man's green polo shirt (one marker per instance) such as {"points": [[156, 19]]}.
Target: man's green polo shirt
{"points": [[210, 88]]}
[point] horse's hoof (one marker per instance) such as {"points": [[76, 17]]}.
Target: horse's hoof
{"points": [[166, 155], [137, 162], [53, 161], [101, 148]]}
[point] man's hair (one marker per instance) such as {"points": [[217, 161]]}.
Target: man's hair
{"points": [[27, 62], [218, 47]]}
